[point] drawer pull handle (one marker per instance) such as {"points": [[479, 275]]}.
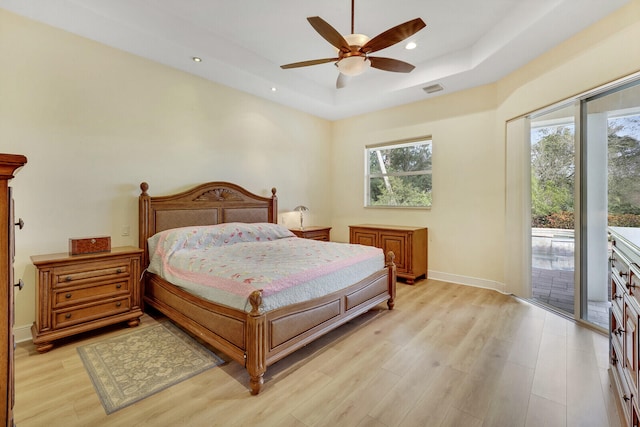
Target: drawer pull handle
{"points": [[67, 296], [626, 398], [118, 304], [616, 296], [68, 278], [119, 271], [20, 223], [118, 286], [624, 274], [618, 331], [67, 316], [19, 285]]}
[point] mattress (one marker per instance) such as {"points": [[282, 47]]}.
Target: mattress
{"points": [[225, 263]]}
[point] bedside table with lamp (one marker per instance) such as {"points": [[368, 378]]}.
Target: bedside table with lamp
{"points": [[310, 232]]}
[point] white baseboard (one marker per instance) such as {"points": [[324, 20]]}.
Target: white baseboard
{"points": [[22, 333], [468, 281]]}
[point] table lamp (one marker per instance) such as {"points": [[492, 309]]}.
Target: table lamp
{"points": [[301, 209]]}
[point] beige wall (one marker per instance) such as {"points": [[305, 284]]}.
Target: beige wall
{"points": [[94, 122], [467, 223], [466, 220]]}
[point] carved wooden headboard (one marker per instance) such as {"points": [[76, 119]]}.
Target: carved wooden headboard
{"points": [[207, 204]]}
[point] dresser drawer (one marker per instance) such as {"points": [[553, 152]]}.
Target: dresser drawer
{"points": [[86, 313], [619, 267], [81, 294], [617, 332], [73, 275], [625, 394], [632, 287], [617, 293]]}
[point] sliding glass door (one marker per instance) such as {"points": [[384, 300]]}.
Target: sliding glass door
{"points": [[583, 176], [553, 184], [610, 191]]}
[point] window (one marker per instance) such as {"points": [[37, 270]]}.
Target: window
{"points": [[399, 174]]}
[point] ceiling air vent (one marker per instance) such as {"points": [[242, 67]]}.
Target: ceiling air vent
{"points": [[432, 88]]}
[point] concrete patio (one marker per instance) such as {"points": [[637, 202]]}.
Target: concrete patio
{"points": [[552, 274]]}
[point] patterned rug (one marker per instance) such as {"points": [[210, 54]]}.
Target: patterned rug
{"points": [[131, 367]]}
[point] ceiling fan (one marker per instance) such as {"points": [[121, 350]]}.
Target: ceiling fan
{"points": [[354, 49]]}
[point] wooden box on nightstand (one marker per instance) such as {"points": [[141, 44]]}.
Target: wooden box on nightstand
{"points": [[78, 293], [313, 232]]}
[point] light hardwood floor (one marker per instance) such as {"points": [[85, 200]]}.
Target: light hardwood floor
{"points": [[447, 355]]}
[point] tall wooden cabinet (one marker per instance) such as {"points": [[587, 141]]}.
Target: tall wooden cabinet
{"points": [[409, 245], [9, 164], [625, 315]]}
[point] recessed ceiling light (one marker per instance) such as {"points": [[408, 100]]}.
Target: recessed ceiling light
{"points": [[197, 59], [411, 45], [273, 89]]}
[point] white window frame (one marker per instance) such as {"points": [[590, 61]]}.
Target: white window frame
{"points": [[427, 140]]}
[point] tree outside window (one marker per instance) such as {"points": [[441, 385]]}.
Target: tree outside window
{"points": [[399, 175]]}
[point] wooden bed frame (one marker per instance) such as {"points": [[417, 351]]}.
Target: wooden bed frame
{"points": [[256, 339]]}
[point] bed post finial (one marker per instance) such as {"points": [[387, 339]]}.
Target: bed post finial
{"points": [[144, 187], [255, 299], [273, 191]]}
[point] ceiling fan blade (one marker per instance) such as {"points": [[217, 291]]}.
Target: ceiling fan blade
{"points": [[342, 81], [389, 64], [393, 35], [308, 63], [329, 33]]}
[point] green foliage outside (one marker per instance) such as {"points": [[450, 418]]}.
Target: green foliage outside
{"points": [[400, 175], [553, 176]]}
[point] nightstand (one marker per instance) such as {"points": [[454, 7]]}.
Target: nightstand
{"points": [[78, 293], [313, 232]]}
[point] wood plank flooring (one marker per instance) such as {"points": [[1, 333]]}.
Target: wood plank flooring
{"points": [[447, 355]]}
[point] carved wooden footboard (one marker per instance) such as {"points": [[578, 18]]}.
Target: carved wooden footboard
{"points": [[255, 339]]}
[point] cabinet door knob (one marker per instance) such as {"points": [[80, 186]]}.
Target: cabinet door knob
{"points": [[118, 304], [19, 285], [67, 296], [118, 286], [20, 223], [67, 316], [68, 278]]}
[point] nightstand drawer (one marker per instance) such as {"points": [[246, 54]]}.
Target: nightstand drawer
{"points": [[65, 276], [87, 313], [81, 294]]}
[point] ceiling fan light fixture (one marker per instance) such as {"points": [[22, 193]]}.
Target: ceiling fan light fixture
{"points": [[353, 65]]}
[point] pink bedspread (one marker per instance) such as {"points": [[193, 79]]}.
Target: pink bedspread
{"points": [[225, 263]]}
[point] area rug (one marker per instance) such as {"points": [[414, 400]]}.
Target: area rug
{"points": [[130, 367]]}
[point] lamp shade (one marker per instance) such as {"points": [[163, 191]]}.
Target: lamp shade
{"points": [[356, 64], [353, 65]]}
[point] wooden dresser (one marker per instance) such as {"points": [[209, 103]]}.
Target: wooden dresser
{"points": [[625, 315], [313, 232], [9, 164], [77, 293], [409, 245]]}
